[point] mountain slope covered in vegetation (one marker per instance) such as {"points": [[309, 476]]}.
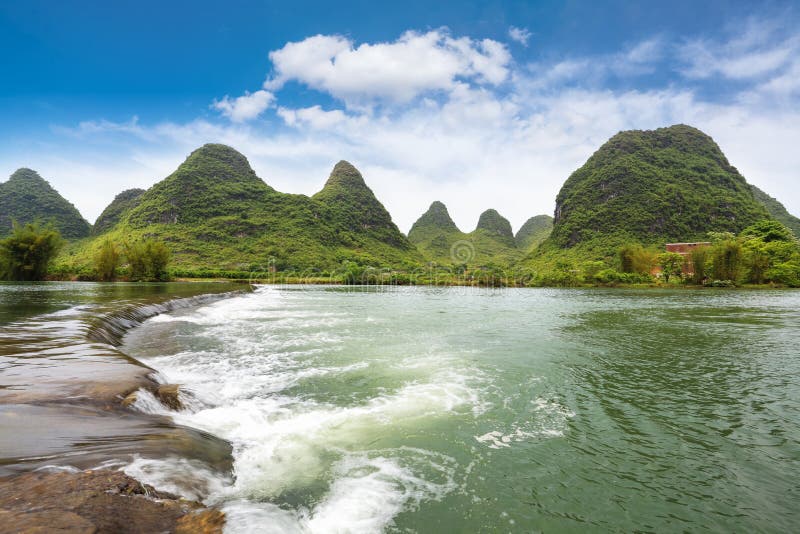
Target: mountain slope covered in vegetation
{"points": [[27, 197], [669, 184], [438, 238], [215, 214], [533, 232], [122, 203], [777, 210], [354, 209]]}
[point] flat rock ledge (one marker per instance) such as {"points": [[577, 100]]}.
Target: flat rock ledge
{"points": [[101, 501]]}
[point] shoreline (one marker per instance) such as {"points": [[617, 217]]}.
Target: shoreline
{"points": [[49, 483], [291, 281]]}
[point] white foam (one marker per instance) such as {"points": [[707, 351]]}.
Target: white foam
{"points": [[190, 479], [549, 420], [247, 358], [367, 493]]}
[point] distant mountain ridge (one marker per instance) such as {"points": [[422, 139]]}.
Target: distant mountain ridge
{"points": [[214, 212], [496, 226], [27, 197], [439, 239]]}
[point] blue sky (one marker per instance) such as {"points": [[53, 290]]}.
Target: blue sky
{"points": [[483, 104]]}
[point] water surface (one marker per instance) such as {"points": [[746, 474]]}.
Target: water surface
{"points": [[464, 410]]}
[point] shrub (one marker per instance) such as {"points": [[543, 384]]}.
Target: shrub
{"points": [[727, 258], [700, 264], [636, 259], [27, 253], [787, 273], [671, 263], [147, 260], [106, 261]]}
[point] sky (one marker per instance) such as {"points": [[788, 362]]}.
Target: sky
{"points": [[477, 104]]}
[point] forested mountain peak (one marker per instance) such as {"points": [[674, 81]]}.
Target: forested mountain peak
{"points": [[669, 184], [27, 197]]}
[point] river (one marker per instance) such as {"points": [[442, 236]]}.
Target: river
{"points": [[481, 410]]}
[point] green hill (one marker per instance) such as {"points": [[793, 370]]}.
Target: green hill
{"points": [[534, 232], [651, 187], [433, 222], [438, 238], [494, 225], [215, 214], [777, 210], [214, 181], [354, 210], [122, 203], [27, 197]]}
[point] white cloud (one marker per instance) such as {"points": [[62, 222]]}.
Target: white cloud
{"points": [[756, 51], [314, 117], [394, 72], [519, 35], [636, 60], [451, 135], [246, 107]]}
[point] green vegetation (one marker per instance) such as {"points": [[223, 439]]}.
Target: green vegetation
{"points": [[147, 260], [106, 261], [26, 198], [633, 258], [215, 214], [670, 263], [701, 263], [496, 226], [666, 185], [771, 254], [491, 245], [643, 189], [353, 209], [26, 254], [213, 217], [122, 203], [777, 210], [534, 232]]}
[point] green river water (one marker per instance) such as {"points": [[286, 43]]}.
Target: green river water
{"points": [[476, 410]]}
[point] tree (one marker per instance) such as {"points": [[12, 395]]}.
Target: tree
{"points": [[27, 253], [727, 260], [158, 258], [147, 260], [757, 260], [768, 230], [106, 261], [766, 244], [699, 264], [636, 259], [671, 263]]}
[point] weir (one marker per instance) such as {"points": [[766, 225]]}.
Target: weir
{"points": [[62, 371]]}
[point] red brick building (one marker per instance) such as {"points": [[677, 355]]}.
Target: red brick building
{"points": [[685, 250]]}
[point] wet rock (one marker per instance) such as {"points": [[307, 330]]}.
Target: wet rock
{"points": [[168, 395], [129, 400], [97, 502], [202, 521]]}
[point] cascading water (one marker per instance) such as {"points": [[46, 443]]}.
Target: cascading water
{"points": [[369, 410]]}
